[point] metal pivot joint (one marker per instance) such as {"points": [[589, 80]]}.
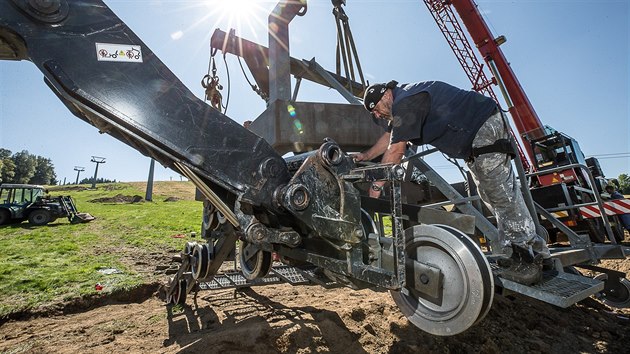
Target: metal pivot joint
{"points": [[48, 11], [320, 178], [259, 234]]}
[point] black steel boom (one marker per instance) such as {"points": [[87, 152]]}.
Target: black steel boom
{"points": [[109, 78]]}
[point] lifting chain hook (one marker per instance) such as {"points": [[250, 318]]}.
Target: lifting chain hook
{"points": [[212, 86]]}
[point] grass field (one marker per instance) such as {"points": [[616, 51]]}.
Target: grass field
{"points": [[46, 265]]}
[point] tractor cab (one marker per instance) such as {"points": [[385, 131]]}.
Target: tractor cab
{"points": [[19, 202], [16, 198]]}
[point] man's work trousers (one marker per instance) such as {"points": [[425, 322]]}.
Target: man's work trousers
{"points": [[499, 189]]}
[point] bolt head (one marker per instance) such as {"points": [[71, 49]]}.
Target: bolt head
{"points": [[46, 7]]}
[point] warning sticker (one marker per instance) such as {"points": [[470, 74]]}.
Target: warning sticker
{"points": [[118, 52]]}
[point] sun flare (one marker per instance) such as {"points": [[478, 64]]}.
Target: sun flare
{"points": [[237, 13]]}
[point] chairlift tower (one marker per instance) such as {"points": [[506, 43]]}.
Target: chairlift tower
{"points": [[79, 169], [149, 192], [97, 160]]}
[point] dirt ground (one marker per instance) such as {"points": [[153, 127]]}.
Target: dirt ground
{"points": [[306, 319]]}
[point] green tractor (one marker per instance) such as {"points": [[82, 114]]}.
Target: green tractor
{"points": [[19, 202]]}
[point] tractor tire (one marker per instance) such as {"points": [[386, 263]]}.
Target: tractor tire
{"points": [[596, 230], [39, 217], [5, 216], [617, 229]]}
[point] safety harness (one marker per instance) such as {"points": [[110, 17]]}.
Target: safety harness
{"points": [[504, 146]]}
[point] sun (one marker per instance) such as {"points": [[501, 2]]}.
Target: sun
{"points": [[238, 13], [233, 8]]}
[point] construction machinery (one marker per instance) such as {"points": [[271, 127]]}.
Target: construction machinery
{"points": [[312, 209], [562, 181], [19, 202]]}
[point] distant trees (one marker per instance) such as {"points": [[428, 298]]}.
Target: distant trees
{"points": [[23, 167], [624, 183], [98, 180], [7, 166]]}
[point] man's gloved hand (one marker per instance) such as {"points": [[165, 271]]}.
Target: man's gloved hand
{"points": [[359, 157]]}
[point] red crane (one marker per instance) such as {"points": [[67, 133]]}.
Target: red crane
{"points": [[575, 186], [523, 114]]}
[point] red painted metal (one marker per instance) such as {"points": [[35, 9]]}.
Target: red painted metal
{"points": [[523, 114], [525, 118], [456, 38], [564, 176]]}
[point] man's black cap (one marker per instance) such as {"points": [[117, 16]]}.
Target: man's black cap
{"points": [[375, 92]]}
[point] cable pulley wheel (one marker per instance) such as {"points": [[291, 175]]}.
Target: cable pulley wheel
{"points": [[178, 296], [209, 222], [466, 287], [200, 261], [619, 297], [255, 263]]}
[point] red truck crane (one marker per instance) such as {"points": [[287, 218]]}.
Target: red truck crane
{"points": [[566, 184]]}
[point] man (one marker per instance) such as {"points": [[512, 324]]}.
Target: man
{"points": [[624, 218], [466, 125]]}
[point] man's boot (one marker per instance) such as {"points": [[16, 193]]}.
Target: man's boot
{"points": [[523, 267]]}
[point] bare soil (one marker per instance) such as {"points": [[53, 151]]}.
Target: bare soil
{"points": [[300, 319], [305, 319], [180, 190], [118, 198]]}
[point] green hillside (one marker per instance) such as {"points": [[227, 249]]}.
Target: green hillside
{"points": [[47, 265]]}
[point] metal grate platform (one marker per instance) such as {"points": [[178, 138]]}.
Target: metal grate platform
{"points": [[235, 279], [559, 289], [289, 274]]}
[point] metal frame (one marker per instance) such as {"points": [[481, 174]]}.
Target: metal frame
{"points": [[598, 199]]}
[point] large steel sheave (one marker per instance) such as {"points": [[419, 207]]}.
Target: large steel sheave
{"points": [[466, 286]]}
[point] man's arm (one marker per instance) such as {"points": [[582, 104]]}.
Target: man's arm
{"points": [[376, 150], [393, 155]]}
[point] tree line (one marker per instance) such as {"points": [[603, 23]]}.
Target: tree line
{"points": [[23, 167], [98, 180], [624, 183]]}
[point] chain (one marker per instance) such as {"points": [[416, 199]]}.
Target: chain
{"points": [[212, 86]]}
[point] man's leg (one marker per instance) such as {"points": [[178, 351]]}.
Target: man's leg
{"points": [[499, 189]]}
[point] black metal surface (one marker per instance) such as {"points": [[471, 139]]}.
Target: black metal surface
{"points": [[140, 103], [319, 197]]}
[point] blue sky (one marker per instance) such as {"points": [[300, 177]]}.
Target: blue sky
{"points": [[571, 57]]}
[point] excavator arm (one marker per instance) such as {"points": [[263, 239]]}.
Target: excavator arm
{"points": [[109, 78]]}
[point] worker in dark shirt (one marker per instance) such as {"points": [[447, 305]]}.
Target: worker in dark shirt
{"points": [[466, 125]]}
